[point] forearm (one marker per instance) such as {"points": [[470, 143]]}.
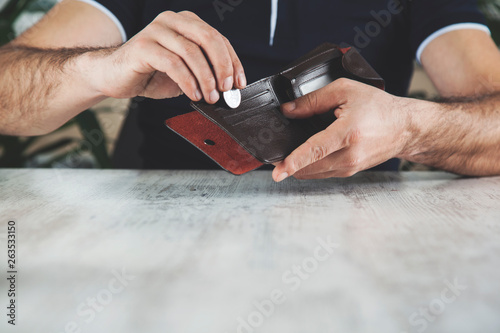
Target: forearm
{"points": [[461, 136], [41, 89]]}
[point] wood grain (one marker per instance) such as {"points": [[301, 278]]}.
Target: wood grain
{"points": [[209, 252]]}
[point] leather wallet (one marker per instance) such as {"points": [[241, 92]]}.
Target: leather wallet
{"points": [[256, 132]]}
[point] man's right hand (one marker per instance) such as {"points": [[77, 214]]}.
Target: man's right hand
{"points": [[77, 49], [177, 53]]}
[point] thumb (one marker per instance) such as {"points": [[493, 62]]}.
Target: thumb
{"points": [[320, 101]]}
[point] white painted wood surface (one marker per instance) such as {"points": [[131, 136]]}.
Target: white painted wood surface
{"points": [[206, 248]]}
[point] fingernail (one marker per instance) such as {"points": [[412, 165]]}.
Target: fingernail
{"points": [[282, 177], [289, 107], [228, 84], [242, 80], [198, 95], [214, 96]]}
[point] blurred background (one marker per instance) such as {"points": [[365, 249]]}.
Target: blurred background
{"points": [[88, 140]]}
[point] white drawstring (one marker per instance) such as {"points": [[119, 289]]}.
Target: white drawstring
{"points": [[274, 20]]}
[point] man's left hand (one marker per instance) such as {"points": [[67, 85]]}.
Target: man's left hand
{"points": [[371, 127]]}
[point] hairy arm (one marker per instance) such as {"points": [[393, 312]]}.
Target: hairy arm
{"points": [[40, 89], [72, 59], [42, 76], [460, 134]]}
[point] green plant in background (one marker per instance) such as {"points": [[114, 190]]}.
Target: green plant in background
{"points": [[13, 150], [10, 11], [491, 9]]}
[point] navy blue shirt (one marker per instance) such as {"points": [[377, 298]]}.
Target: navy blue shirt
{"points": [[386, 32]]}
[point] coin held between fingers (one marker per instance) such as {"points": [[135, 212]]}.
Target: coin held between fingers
{"points": [[232, 98]]}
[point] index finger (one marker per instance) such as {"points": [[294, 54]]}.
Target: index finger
{"points": [[219, 51], [239, 72], [314, 149]]}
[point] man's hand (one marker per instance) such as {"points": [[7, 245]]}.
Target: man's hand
{"points": [[65, 64], [177, 53], [371, 128], [461, 135]]}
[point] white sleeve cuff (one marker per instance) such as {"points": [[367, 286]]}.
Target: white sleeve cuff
{"points": [[109, 14], [442, 31]]}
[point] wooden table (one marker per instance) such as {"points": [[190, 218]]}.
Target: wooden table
{"points": [[162, 251]]}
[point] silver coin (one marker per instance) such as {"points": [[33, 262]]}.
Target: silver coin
{"points": [[232, 98]]}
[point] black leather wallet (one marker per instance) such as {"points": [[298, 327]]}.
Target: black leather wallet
{"points": [[256, 132]]}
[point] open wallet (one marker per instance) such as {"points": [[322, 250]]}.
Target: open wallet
{"points": [[256, 132]]}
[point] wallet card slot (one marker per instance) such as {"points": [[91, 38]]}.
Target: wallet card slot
{"points": [[251, 101], [248, 113], [262, 110]]}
